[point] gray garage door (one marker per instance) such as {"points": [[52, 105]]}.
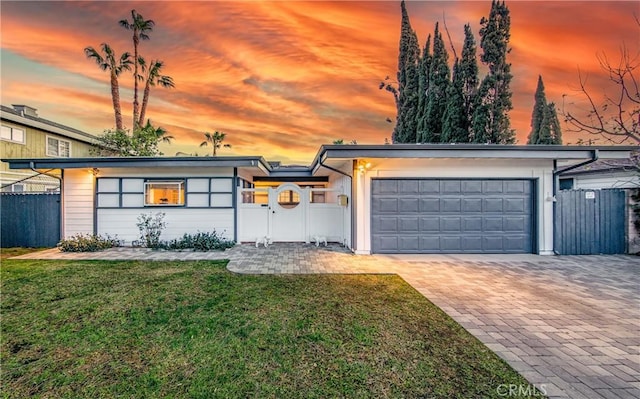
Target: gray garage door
{"points": [[452, 216]]}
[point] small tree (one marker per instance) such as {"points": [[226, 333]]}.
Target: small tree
{"points": [[616, 117], [151, 227], [143, 142], [215, 140]]}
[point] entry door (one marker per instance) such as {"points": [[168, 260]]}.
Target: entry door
{"points": [[286, 203]]}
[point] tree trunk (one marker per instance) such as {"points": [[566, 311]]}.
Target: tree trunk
{"points": [[115, 96], [136, 40], [145, 101]]}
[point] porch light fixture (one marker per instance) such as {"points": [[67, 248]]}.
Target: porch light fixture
{"points": [[363, 166]]}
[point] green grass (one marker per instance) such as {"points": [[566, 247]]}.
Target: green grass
{"points": [[192, 329]]}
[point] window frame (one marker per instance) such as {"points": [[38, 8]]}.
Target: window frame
{"points": [[11, 139], [59, 140], [181, 193]]}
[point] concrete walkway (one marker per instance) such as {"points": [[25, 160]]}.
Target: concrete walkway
{"points": [[570, 324]]}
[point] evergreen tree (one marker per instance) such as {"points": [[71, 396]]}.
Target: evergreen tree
{"points": [[556, 132], [468, 72], [423, 86], [455, 118], [539, 109], [545, 126], [490, 120], [407, 106], [439, 74]]}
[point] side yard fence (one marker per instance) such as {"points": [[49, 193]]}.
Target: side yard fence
{"points": [[29, 219]]}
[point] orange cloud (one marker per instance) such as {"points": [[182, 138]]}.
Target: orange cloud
{"points": [[282, 78]]}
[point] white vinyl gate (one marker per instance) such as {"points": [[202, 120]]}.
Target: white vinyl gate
{"points": [[290, 213]]}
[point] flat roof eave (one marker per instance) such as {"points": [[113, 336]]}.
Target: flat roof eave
{"points": [[558, 152], [129, 162]]}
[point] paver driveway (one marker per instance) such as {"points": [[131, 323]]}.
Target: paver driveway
{"points": [[569, 324]]}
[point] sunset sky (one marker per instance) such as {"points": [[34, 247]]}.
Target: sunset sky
{"points": [[281, 78]]}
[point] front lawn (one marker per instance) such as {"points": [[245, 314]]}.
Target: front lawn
{"points": [[192, 329]]}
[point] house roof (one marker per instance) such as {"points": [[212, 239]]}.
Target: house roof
{"points": [[608, 165], [338, 153], [10, 114]]}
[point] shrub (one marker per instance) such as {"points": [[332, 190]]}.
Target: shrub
{"points": [[88, 243], [200, 242], [151, 227]]}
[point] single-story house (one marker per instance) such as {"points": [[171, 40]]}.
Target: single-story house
{"points": [[400, 198]]}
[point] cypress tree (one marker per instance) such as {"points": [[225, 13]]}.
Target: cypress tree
{"points": [[454, 118], [545, 126], [437, 92], [468, 76], [556, 132], [537, 116], [407, 106], [423, 86], [490, 119]]}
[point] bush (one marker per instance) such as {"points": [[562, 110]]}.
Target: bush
{"points": [[88, 243], [200, 242], [151, 227]]}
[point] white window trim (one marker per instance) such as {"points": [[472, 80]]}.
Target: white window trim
{"points": [[181, 192], [11, 140], [46, 146]]}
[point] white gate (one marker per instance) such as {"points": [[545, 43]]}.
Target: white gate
{"points": [[290, 213]]}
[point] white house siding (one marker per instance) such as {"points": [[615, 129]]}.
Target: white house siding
{"points": [[343, 214], [606, 180], [77, 200], [122, 222], [540, 170]]}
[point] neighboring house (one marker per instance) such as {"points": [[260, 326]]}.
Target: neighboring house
{"points": [[25, 135], [399, 198], [602, 174]]}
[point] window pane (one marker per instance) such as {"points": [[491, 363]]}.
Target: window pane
{"points": [[52, 147], [18, 135], [6, 133], [164, 193], [64, 148], [288, 199]]}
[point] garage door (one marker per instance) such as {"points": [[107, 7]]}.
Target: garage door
{"points": [[451, 216]]}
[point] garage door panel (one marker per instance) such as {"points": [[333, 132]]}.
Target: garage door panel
{"points": [[450, 187], [385, 187], [472, 224], [386, 224], [408, 205], [429, 205], [472, 205], [450, 205], [429, 186], [452, 215], [409, 225], [471, 187], [451, 224], [492, 205], [409, 243], [472, 244], [430, 224], [492, 244], [409, 186]]}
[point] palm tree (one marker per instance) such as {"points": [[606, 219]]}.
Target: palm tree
{"points": [[159, 132], [216, 140], [153, 78], [107, 60], [140, 28]]}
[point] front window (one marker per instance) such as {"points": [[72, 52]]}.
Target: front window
{"points": [[164, 193], [12, 134], [58, 148]]}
